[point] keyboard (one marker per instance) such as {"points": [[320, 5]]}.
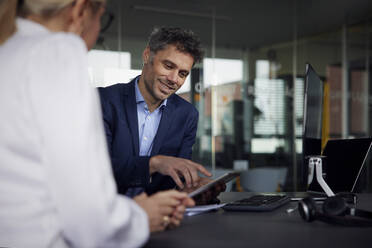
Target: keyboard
{"points": [[262, 202]]}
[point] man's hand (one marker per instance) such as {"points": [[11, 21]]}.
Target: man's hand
{"points": [[178, 167], [164, 209]]}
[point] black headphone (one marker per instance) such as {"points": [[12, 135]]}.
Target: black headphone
{"points": [[335, 211]]}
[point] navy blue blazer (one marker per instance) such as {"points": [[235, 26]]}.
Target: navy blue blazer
{"points": [[175, 136]]}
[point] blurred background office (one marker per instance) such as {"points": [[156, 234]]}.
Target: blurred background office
{"points": [[249, 89]]}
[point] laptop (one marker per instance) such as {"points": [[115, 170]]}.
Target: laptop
{"points": [[345, 160], [342, 168]]}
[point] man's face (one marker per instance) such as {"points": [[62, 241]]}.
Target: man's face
{"points": [[165, 72]]}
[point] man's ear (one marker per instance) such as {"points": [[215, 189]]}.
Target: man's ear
{"points": [[77, 16], [146, 55]]}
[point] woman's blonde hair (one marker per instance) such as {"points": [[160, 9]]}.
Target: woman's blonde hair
{"points": [[8, 9], [46, 8]]}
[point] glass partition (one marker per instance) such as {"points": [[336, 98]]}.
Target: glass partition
{"points": [[250, 102]]}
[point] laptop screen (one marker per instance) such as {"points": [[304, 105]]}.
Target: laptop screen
{"points": [[344, 163]]}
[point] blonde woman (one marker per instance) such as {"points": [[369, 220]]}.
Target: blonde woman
{"points": [[56, 185]]}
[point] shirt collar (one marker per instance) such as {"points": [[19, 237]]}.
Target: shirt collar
{"points": [[27, 27], [139, 97]]}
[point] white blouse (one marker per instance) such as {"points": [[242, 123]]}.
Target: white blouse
{"points": [[56, 183]]}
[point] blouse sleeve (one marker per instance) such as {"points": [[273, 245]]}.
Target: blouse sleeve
{"points": [[68, 115]]}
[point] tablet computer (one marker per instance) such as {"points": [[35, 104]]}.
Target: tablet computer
{"points": [[224, 178]]}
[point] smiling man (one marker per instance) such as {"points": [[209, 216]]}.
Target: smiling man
{"points": [[150, 130]]}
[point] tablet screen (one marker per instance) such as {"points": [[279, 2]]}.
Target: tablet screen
{"points": [[224, 178]]}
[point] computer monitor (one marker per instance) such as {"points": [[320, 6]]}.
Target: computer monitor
{"points": [[312, 119]]}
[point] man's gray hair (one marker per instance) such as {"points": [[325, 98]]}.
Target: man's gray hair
{"points": [[185, 41]]}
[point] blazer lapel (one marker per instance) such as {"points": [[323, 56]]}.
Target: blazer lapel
{"points": [[130, 106], [164, 125]]}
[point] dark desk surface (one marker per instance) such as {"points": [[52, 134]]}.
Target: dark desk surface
{"points": [[269, 229]]}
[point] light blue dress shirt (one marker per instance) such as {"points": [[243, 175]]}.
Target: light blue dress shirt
{"points": [[148, 124]]}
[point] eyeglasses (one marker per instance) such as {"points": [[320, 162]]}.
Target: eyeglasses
{"points": [[106, 21]]}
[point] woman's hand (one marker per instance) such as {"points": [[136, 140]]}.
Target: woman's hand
{"points": [[164, 209]]}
